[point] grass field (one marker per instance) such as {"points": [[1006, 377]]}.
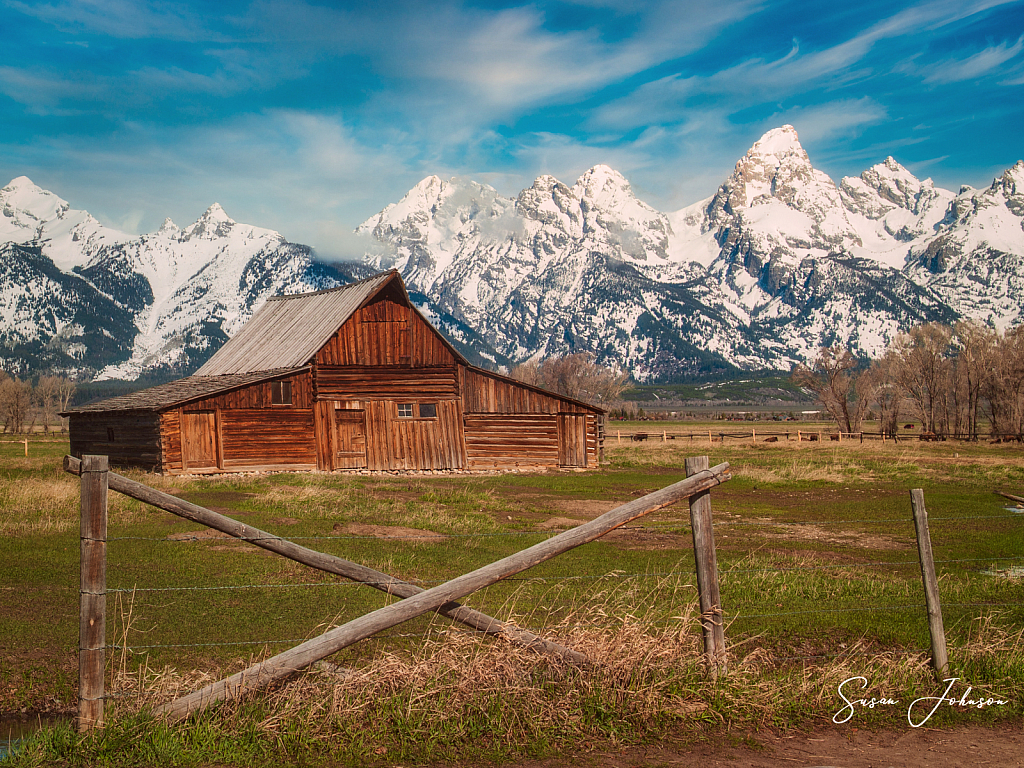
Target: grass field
{"points": [[819, 579]]}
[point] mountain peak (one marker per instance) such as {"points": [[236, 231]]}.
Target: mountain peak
{"points": [[778, 141], [602, 181], [22, 182], [215, 213], [168, 226]]}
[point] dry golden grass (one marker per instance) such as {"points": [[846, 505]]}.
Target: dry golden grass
{"points": [[35, 506]]}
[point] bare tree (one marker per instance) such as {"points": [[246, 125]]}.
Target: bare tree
{"points": [[843, 390], [577, 376], [970, 371], [65, 391], [1004, 390], [45, 397], [921, 370], [887, 395], [15, 403]]}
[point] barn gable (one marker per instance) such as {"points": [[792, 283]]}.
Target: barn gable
{"points": [[370, 322]]}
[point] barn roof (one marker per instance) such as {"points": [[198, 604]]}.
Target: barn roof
{"points": [[181, 391], [287, 331]]}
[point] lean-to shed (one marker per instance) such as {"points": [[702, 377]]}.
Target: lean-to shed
{"points": [[347, 378]]}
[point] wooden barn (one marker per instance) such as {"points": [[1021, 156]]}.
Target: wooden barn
{"points": [[348, 378]]}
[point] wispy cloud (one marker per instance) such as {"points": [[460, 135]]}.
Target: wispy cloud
{"points": [[832, 120], [984, 62], [119, 18]]}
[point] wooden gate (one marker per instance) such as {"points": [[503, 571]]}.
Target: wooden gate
{"points": [[199, 440], [350, 427], [572, 440]]}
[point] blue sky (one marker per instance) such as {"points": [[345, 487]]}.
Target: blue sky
{"points": [[309, 117]]}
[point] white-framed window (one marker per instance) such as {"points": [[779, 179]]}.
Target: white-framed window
{"points": [[405, 410]]}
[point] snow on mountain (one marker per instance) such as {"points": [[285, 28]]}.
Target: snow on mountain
{"points": [[976, 262], [778, 262], [32, 214], [179, 292]]}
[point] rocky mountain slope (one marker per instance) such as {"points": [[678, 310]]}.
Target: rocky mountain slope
{"points": [[84, 299], [778, 262]]}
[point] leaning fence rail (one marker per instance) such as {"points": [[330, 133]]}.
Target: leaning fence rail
{"points": [[416, 600]]}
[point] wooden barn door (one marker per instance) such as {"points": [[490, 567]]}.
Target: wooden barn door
{"points": [[572, 440], [199, 439], [351, 439]]}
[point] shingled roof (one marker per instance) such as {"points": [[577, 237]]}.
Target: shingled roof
{"points": [[287, 331], [181, 391]]}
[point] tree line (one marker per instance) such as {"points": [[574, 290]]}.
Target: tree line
{"points": [[952, 379], [24, 405]]}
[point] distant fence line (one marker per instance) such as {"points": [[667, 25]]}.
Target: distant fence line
{"points": [[712, 436]]}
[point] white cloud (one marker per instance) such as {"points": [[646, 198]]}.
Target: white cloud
{"points": [[119, 18], [977, 65], [830, 121]]}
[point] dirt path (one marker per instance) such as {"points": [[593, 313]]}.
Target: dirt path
{"points": [[1001, 747]]}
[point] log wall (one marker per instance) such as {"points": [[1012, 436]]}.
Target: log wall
{"points": [[484, 392], [361, 382], [129, 439], [506, 441], [265, 437]]}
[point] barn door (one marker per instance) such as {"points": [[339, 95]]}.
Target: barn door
{"points": [[572, 440], [351, 439], [199, 439]]}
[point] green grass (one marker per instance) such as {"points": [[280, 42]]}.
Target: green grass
{"points": [[808, 536]]}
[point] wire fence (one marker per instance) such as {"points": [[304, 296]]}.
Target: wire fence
{"points": [[731, 573], [768, 590]]}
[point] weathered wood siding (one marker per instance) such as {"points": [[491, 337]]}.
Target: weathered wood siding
{"points": [[484, 392], [242, 429], [129, 439], [515, 440], [258, 395], [383, 333], [394, 442], [267, 437], [360, 382], [170, 439]]}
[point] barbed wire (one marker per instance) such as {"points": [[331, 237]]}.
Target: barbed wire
{"points": [[724, 570]]}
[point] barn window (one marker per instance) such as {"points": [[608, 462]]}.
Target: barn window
{"points": [[280, 393], [110, 435], [428, 410], [405, 410]]}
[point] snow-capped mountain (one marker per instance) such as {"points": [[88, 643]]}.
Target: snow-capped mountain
{"points": [[778, 262], [165, 300]]}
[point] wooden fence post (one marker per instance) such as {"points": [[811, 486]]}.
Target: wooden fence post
{"points": [[93, 599], [940, 660], [707, 570]]}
